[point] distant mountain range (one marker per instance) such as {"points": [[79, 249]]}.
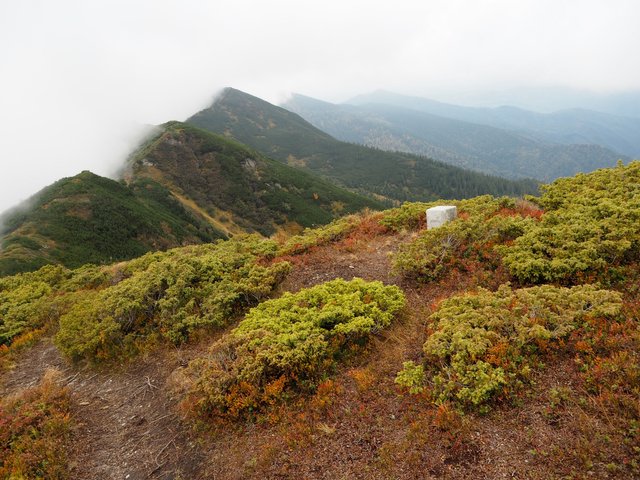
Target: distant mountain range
{"points": [[552, 99], [285, 136], [509, 142], [567, 126], [245, 165]]}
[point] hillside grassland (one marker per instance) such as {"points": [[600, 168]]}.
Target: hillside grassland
{"points": [[505, 343]]}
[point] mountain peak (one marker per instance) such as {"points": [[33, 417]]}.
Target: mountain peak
{"points": [[286, 136]]}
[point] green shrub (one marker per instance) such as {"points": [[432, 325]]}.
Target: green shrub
{"points": [[289, 344], [409, 216], [168, 295], [411, 377], [31, 304], [312, 237], [485, 345], [28, 301], [465, 242], [591, 225], [86, 277]]}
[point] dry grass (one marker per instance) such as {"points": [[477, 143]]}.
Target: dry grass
{"points": [[36, 430]]}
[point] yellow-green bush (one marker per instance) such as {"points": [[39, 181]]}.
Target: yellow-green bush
{"points": [[289, 344], [409, 216], [312, 237], [32, 303], [27, 301], [411, 377], [465, 242], [591, 225], [485, 345], [169, 295]]}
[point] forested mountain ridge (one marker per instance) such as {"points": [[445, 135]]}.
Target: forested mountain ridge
{"points": [[236, 187], [471, 141], [183, 186], [285, 136], [92, 219]]}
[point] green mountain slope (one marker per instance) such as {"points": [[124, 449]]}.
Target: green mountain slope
{"points": [[183, 186], [287, 137], [92, 219], [235, 188], [478, 146]]}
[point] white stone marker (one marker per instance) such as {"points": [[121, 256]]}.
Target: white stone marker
{"points": [[437, 216]]}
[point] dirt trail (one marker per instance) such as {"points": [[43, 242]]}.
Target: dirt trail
{"points": [[368, 260], [31, 366], [126, 422], [126, 426]]}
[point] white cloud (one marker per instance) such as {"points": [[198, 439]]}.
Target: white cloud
{"points": [[78, 76]]}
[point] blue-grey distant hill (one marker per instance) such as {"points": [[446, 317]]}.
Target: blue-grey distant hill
{"points": [[568, 126], [554, 98], [389, 176], [484, 148]]}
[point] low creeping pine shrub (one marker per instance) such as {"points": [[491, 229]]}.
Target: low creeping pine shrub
{"points": [[485, 345], [409, 216], [288, 345], [591, 226], [31, 303], [168, 295], [467, 242], [26, 301], [411, 377], [312, 237]]}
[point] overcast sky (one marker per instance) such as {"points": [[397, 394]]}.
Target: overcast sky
{"points": [[79, 78]]}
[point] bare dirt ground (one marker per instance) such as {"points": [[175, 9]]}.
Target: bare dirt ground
{"points": [[126, 426], [368, 259]]}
